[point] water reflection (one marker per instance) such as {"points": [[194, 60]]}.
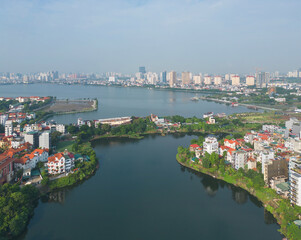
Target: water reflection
{"points": [[239, 195]]}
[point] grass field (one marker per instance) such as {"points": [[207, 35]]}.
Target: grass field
{"points": [[61, 146]]}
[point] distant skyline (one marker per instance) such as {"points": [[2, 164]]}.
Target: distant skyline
{"points": [[209, 36]]}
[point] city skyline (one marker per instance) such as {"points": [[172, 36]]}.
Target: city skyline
{"points": [[200, 36]]}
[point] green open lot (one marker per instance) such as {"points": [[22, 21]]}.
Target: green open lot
{"points": [[61, 146]]}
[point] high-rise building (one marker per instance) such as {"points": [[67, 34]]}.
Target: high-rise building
{"points": [[227, 77], [197, 79], [274, 168], [250, 80], [45, 140], [112, 79], [207, 80], [262, 79], [217, 80], [235, 80], [8, 128], [142, 70], [172, 78], [163, 77], [32, 138], [185, 78], [3, 119], [295, 180]]}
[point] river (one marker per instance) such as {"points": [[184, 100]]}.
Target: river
{"points": [[141, 192], [119, 101]]}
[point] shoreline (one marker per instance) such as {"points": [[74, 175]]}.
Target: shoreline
{"points": [[239, 104], [266, 205]]}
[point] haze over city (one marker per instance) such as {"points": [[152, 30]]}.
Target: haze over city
{"points": [[197, 36]]}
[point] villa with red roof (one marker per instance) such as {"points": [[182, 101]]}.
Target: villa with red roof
{"points": [[231, 143], [31, 160], [60, 163]]}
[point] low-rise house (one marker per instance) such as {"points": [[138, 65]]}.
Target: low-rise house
{"points": [[240, 159], [60, 163], [231, 143], [196, 149], [252, 164], [31, 160]]}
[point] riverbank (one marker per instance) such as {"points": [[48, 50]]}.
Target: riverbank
{"points": [[251, 106], [279, 207]]}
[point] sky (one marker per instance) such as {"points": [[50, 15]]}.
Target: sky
{"points": [[208, 36]]}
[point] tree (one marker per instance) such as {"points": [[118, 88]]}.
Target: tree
{"points": [[55, 137], [45, 181], [106, 127], [72, 129]]}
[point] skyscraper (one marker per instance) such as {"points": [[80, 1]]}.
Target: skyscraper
{"points": [[262, 79], [185, 78], [142, 70], [172, 78], [163, 77]]}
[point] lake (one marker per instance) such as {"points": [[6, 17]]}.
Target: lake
{"points": [[119, 101], [141, 192]]}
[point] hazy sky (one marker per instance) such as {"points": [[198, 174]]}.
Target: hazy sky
{"points": [[209, 36]]}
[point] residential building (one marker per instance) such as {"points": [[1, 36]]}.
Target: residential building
{"points": [[29, 161], [8, 128], [207, 80], [295, 180], [3, 118], [6, 168], [172, 78], [32, 138], [275, 168], [210, 145], [45, 140], [197, 79], [240, 159], [60, 163], [231, 143], [235, 80], [250, 80], [265, 156], [217, 80], [185, 78], [60, 128], [262, 79]]}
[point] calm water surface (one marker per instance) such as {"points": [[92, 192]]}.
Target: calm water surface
{"points": [[117, 101], [141, 192]]}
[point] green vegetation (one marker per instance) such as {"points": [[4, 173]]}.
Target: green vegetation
{"points": [[4, 105], [32, 106], [62, 145], [84, 169], [135, 129], [16, 208], [250, 180]]}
